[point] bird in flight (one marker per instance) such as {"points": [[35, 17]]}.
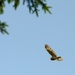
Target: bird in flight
{"points": [[52, 53]]}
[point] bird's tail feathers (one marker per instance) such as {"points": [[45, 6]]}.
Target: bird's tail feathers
{"points": [[59, 58]]}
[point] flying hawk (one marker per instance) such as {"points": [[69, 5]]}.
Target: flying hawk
{"points": [[52, 53]]}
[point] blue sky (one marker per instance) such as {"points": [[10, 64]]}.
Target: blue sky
{"points": [[23, 53]]}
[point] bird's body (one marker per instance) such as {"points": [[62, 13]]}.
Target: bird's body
{"points": [[52, 53]]}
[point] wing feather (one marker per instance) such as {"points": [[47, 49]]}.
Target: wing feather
{"points": [[50, 51]]}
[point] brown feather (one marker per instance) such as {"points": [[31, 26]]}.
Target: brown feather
{"points": [[50, 51]]}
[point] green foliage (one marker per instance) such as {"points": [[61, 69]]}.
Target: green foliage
{"points": [[3, 26], [9, 1], [1, 6], [16, 4], [33, 6]]}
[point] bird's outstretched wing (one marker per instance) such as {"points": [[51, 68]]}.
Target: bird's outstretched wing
{"points": [[50, 51]]}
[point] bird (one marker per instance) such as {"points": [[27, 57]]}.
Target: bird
{"points": [[52, 53]]}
